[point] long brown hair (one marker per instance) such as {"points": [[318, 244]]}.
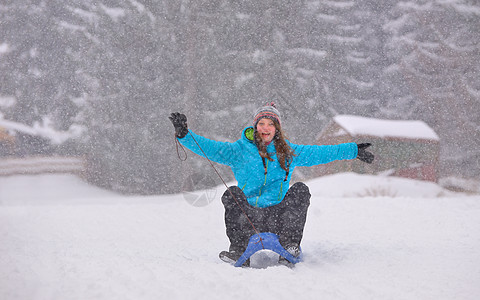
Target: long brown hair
{"points": [[284, 151]]}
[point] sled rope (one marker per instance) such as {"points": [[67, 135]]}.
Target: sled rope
{"points": [[177, 144], [233, 196]]}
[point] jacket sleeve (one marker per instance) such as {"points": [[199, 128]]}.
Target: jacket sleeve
{"points": [[311, 155], [220, 152]]}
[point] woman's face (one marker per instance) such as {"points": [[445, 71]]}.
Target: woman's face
{"points": [[266, 129]]}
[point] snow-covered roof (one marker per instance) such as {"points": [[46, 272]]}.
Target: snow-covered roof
{"points": [[412, 129], [42, 130], [9, 125]]}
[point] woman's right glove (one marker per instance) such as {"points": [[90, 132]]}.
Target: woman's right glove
{"points": [[180, 123], [363, 154]]}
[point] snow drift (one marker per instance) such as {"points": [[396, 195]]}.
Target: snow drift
{"points": [[366, 237]]}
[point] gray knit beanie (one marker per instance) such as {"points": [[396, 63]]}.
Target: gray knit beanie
{"points": [[268, 111]]}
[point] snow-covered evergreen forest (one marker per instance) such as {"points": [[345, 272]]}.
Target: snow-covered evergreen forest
{"points": [[113, 70]]}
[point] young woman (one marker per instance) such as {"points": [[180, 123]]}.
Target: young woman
{"points": [[262, 161]]}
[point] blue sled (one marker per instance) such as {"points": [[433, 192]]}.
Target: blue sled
{"points": [[269, 241]]}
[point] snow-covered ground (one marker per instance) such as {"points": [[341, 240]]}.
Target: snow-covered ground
{"points": [[366, 238]]}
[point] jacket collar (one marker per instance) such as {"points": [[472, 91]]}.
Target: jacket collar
{"points": [[247, 134]]}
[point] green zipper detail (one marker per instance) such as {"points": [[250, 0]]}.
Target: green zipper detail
{"points": [[264, 183], [281, 191], [244, 186]]}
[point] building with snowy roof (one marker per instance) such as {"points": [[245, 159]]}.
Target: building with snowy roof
{"points": [[7, 142], [27, 140], [404, 148], [40, 138], [28, 150]]}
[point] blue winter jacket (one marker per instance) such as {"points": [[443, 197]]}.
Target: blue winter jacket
{"points": [[263, 190]]}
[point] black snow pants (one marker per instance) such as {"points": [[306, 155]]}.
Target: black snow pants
{"points": [[286, 219]]}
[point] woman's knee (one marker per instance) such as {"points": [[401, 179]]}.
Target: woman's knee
{"points": [[300, 194], [301, 187], [230, 193]]}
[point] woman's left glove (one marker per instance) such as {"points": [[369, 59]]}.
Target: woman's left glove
{"points": [[180, 123], [363, 154]]}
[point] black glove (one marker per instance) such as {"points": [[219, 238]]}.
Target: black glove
{"points": [[180, 123], [363, 154]]}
